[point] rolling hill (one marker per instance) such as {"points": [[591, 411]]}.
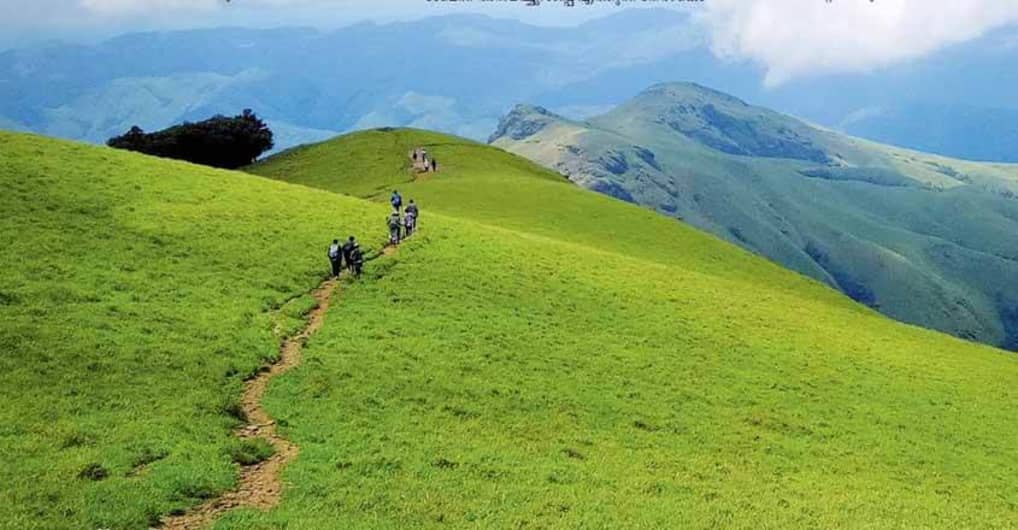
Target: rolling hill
{"points": [[925, 239], [538, 355], [577, 330], [136, 294]]}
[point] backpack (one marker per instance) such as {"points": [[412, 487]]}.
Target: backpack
{"points": [[334, 251]]}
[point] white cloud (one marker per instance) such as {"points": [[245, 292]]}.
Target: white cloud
{"points": [[795, 38]]}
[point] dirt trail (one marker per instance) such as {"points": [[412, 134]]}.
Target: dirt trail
{"points": [[420, 168], [260, 484]]}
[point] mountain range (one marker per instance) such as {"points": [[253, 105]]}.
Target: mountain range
{"points": [[923, 238], [311, 84]]}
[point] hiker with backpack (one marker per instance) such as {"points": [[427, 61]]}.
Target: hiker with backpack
{"points": [[355, 259], [396, 200], [412, 211], [395, 226], [335, 257], [347, 248], [409, 223]]}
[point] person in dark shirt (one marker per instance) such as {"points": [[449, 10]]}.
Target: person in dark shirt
{"points": [[336, 257]]}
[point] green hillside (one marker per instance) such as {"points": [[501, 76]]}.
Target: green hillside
{"points": [[539, 355], [135, 296], [921, 238], [568, 360], [479, 183]]}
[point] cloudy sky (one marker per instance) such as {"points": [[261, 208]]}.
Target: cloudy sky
{"points": [[788, 38]]}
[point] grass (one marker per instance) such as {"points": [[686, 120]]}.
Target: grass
{"points": [[521, 387], [137, 294], [543, 357], [250, 451], [472, 185], [595, 367], [382, 162]]}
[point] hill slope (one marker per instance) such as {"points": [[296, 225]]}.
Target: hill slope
{"points": [[564, 359], [924, 239], [545, 357], [136, 295]]}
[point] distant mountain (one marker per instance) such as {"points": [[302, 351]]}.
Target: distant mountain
{"points": [[460, 74], [925, 239]]}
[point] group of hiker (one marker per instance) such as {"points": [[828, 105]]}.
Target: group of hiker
{"points": [[403, 227], [422, 163], [402, 222], [400, 228], [349, 253]]}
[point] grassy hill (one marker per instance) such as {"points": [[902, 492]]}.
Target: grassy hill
{"points": [[135, 296], [490, 186], [544, 356], [539, 355], [924, 239]]}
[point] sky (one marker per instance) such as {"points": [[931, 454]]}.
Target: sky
{"points": [[789, 39]]}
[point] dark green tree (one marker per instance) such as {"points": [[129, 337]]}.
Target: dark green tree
{"points": [[219, 141]]}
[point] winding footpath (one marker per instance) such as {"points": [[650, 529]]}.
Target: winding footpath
{"points": [[260, 485]]}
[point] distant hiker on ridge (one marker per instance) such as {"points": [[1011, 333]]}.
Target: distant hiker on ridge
{"points": [[434, 165], [395, 225], [336, 257], [396, 200]]}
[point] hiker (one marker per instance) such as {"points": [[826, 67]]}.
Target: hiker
{"points": [[356, 258], [335, 257], [434, 165], [411, 209], [396, 200], [347, 248], [395, 224], [409, 222]]}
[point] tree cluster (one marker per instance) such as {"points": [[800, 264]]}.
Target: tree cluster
{"points": [[220, 141]]}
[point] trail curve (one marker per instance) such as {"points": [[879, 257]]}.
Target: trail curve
{"points": [[260, 485]]}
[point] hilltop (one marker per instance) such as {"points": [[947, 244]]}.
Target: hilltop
{"points": [[925, 239], [538, 355]]}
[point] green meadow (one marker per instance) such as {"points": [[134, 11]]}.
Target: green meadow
{"points": [[136, 294], [537, 356]]}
